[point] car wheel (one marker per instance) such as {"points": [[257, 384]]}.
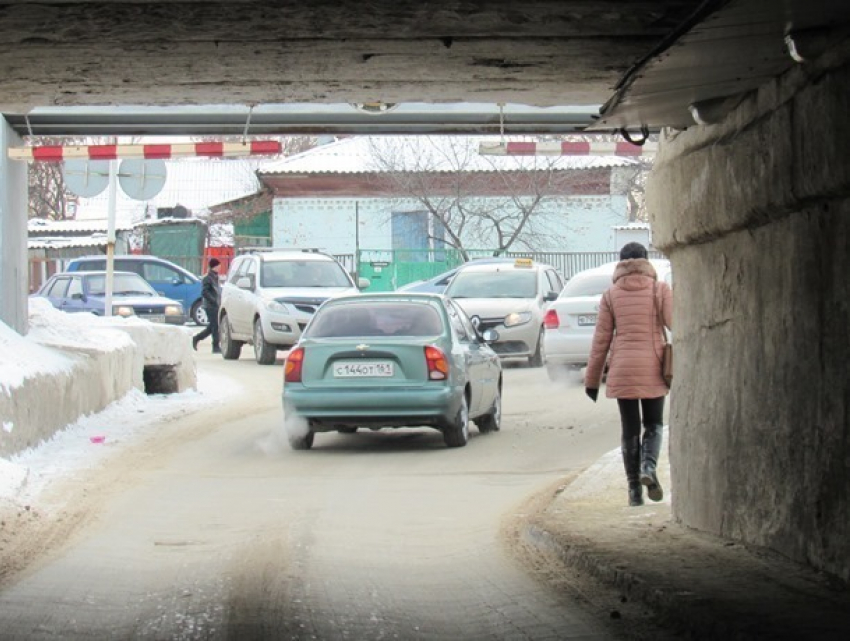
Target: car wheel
{"points": [[301, 441], [539, 357], [492, 422], [264, 352], [230, 349], [199, 314], [456, 434]]}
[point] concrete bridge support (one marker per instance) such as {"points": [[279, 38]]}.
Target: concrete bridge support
{"points": [[755, 215], [13, 234]]}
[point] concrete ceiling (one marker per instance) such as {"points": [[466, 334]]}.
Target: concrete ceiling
{"points": [[195, 52], [647, 61]]}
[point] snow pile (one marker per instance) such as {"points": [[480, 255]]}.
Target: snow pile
{"points": [[50, 326], [87, 442], [22, 358]]}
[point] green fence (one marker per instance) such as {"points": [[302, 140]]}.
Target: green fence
{"points": [[389, 269]]}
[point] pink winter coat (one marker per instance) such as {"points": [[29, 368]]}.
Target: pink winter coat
{"points": [[632, 334]]}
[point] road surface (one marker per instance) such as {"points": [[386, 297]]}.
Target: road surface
{"points": [[212, 528]]}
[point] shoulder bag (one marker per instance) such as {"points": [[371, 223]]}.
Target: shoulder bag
{"points": [[667, 350]]}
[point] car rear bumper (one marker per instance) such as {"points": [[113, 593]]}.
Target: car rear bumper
{"points": [[564, 349], [381, 407]]}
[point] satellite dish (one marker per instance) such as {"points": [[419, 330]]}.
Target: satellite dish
{"points": [[86, 178], [142, 179]]}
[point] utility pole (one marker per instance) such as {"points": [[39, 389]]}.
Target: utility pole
{"points": [[356, 241]]}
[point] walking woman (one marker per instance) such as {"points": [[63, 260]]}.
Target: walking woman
{"points": [[629, 327]]}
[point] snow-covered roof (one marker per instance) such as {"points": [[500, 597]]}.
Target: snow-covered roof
{"points": [[630, 226], [42, 226], [153, 222], [68, 242], [367, 154]]}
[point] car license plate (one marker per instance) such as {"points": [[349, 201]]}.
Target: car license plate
{"points": [[357, 369], [587, 319], [154, 318]]}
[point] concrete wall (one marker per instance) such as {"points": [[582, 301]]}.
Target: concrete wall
{"points": [[13, 233], [754, 213], [575, 224]]}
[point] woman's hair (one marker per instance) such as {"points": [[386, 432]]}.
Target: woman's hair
{"points": [[632, 250]]}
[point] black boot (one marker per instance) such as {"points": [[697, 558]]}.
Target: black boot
{"points": [[195, 343], [631, 461], [652, 438]]}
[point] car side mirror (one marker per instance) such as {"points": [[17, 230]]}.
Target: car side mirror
{"points": [[550, 296], [363, 283], [490, 335], [245, 282], [79, 296]]}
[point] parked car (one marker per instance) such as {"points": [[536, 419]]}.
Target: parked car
{"points": [[391, 360], [511, 298], [76, 292], [270, 296], [168, 279], [438, 284], [571, 319]]}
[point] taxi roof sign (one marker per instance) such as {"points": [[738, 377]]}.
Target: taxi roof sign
{"points": [[523, 262]]}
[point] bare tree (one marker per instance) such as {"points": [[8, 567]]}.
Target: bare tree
{"points": [[635, 187], [470, 198], [49, 198]]}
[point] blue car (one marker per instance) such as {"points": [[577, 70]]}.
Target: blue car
{"points": [[168, 279], [76, 292]]}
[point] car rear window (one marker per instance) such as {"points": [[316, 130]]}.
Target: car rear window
{"points": [[586, 285], [375, 319]]}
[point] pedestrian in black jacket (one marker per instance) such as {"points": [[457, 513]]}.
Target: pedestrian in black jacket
{"points": [[211, 297]]}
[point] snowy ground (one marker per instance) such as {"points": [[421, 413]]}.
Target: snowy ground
{"points": [[90, 440], [87, 442]]}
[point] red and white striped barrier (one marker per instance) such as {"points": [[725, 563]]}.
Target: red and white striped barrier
{"points": [[582, 148], [58, 153]]}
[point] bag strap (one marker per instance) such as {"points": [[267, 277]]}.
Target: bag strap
{"points": [[658, 311]]}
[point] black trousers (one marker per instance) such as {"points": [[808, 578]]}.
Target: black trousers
{"points": [[630, 415], [212, 327]]}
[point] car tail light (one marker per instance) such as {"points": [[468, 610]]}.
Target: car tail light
{"points": [[438, 366], [551, 320], [292, 366]]}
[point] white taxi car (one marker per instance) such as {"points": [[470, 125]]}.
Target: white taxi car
{"points": [[510, 298], [571, 319]]}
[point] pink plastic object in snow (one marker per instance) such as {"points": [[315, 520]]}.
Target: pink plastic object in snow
{"points": [[97, 439]]}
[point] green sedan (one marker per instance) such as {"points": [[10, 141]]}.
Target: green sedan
{"points": [[391, 360]]}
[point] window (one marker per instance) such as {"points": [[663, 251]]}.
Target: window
{"points": [[237, 270], [304, 273], [156, 273], [75, 288], [58, 288], [463, 328], [134, 266], [587, 285], [378, 319], [494, 284], [555, 282]]}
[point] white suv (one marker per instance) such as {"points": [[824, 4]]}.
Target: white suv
{"points": [[270, 296]]}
